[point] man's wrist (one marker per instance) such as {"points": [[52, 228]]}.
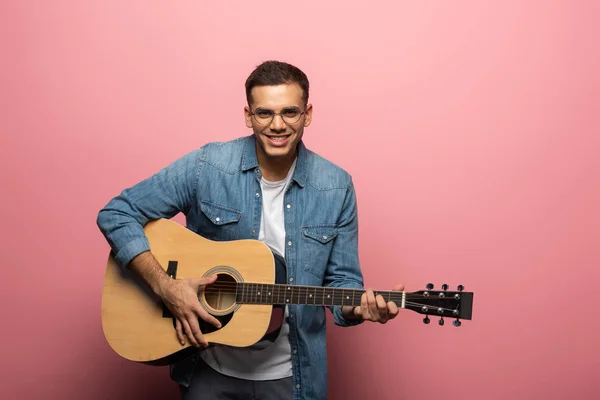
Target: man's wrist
{"points": [[351, 313]]}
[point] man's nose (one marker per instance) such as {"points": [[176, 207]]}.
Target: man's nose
{"points": [[278, 124]]}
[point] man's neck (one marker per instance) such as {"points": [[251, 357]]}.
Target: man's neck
{"points": [[275, 169]]}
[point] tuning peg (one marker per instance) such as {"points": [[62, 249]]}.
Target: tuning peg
{"points": [[441, 321], [426, 320], [457, 323], [429, 286], [460, 288], [444, 286]]}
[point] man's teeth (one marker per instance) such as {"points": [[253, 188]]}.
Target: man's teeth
{"points": [[278, 138]]}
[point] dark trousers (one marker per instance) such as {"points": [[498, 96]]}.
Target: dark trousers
{"points": [[208, 384]]}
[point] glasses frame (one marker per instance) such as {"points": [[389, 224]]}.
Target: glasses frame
{"points": [[253, 113]]}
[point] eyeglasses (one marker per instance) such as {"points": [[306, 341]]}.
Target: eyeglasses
{"points": [[290, 115]]}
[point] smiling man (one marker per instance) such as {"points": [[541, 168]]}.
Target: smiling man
{"points": [[279, 192]]}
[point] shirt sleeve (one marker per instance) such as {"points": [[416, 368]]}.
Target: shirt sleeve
{"points": [[343, 269], [162, 195]]}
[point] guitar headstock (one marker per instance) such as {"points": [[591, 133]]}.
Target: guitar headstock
{"points": [[441, 303]]}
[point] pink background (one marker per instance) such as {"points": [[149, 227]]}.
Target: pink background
{"points": [[471, 129]]}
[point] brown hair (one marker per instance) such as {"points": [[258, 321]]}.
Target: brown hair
{"points": [[276, 73]]}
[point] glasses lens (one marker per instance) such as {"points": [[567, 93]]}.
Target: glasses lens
{"points": [[263, 116], [291, 115]]}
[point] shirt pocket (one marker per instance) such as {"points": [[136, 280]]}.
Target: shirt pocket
{"points": [[317, 242], [221, 222]]}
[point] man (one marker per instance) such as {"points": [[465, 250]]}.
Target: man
{"points": [[266, 186]]}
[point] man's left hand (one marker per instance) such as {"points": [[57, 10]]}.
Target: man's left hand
{"points": [[375, 309]]}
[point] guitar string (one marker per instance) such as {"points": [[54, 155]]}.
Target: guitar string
{"points": [[254, 299], [315, 290], [395, 294], [234, 286], [300, 290]]}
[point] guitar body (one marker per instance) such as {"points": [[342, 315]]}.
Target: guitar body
{"points": [[138, 326]]}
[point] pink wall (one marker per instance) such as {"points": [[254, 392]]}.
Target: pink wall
{"points": [[471, 129]]}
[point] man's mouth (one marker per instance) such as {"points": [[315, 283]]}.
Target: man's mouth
{"points": [[278, 140]]}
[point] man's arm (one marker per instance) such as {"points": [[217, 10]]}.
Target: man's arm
{"points": [[122, 220], [163, 195], [343, 269]]}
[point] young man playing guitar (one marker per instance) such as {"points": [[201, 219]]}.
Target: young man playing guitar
{"points": [[266, 186]]}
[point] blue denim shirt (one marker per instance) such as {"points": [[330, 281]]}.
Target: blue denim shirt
{"points": [[222, 180]]}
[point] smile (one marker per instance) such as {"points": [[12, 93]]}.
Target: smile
{"points": [[279, 140]]}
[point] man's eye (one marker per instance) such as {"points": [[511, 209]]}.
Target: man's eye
{"points": [[292, 112], [264, 114]]}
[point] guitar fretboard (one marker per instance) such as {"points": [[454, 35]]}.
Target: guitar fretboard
{"points": [[258, 293]]}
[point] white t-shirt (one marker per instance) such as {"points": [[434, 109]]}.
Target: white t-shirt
{"points": [[275, 361]]}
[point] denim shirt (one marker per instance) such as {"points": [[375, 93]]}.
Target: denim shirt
{"points": [[217, 188]]}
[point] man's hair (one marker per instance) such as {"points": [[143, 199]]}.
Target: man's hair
{"points": [[271, 73]]}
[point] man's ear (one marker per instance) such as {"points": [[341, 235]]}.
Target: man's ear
{"points": [[248, 117], [308, 115]]}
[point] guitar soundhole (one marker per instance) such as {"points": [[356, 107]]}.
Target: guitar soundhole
{"points": [[220, 296]]}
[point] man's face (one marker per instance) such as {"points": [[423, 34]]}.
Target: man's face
{"points": [[277, 116]]}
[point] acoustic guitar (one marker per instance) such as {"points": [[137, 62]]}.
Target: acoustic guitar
{"points": [[249, 294]]}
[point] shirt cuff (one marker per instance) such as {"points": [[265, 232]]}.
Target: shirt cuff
{"points": [[131, 250]]}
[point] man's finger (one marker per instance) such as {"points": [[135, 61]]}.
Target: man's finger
{"points": [[188, 332], [179, 331], [382, 309], [197, 282], [193, 321], [372, 304], [207, 317], [364, 306]]}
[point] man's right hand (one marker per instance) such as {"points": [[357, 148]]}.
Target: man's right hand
{"points": [[181, 297]]}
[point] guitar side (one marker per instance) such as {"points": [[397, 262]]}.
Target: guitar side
{"points": [[139, 328]]}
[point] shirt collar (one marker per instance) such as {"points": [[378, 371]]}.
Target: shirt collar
{"points": [[250, 161]]}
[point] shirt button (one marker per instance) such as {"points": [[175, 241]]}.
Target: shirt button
{"points": [[253, 231], [289, 206], [295, 351], [257, 194], [217, 219], [291, 279], [289, 243], [298, 386], [324, 237]]}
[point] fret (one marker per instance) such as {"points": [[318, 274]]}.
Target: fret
{"points": [[314, 295], [342, 297]]}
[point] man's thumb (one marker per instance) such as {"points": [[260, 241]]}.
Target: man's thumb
{"points": [[197, 282]]}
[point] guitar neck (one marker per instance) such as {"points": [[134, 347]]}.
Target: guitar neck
{"points": [[258, 293]]}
